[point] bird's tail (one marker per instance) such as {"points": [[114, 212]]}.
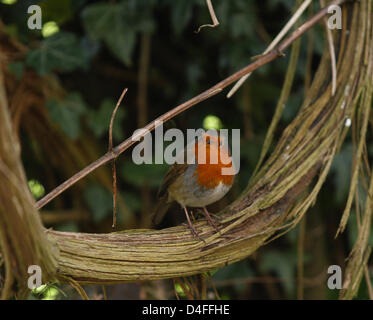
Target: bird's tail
{"points": [[160, 209]]}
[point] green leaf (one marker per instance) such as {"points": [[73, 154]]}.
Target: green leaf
{"points": [[181, 14], [99, 121], [99, 200], [98, 19], [60, 52], [67, 113], [108, 22], [121, 43]]}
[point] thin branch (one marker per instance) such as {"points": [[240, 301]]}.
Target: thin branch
{"points": [[282, 33], [113, 165], [112, 119], [270, 56], [215, 21], [114, 171]]}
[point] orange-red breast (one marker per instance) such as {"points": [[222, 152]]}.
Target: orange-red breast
{"points": [[198, 184]]}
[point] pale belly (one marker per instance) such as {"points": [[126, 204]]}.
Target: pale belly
{"points": [[187, 192]]}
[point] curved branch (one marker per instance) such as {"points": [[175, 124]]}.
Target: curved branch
{"points": [[157, 254]]}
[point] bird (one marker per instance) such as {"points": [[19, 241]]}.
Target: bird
{"points": [[199, 184]]}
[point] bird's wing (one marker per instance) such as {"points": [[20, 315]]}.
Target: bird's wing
{"points": [[172, 174]]}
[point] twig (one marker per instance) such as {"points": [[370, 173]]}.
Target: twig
{"points": [[215, 21], [114, 171], [112, 119], [282, 33], [113, 165], [272, 55], [332, 53]]}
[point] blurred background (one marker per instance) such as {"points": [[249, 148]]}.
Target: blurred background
{"points": [[63, 82]]}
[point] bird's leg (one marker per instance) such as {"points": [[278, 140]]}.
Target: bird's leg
{"points": [[193, 230], [213, 216], [209, 220]]}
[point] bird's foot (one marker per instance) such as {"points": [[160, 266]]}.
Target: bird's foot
{"points": [[194, 232], [191, 227], [210, 220]]}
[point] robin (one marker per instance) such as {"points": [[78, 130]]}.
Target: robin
{"points": [[200, 183]]}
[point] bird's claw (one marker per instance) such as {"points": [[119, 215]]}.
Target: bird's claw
{"points": [[193, 231]]}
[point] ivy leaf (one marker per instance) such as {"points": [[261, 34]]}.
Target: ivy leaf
{"points": [[98, 19], [181, 14], [107, 22], [121, 43], [67, 113], [60, 52]]}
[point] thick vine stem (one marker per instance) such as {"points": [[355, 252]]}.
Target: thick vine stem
{"points": [[22, 238], [276, 197]]}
